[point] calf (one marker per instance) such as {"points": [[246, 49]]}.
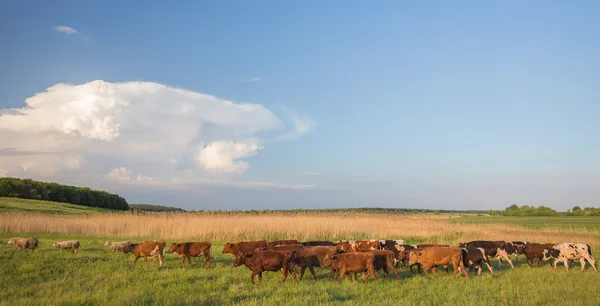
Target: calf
{"points": [[431, 258], [536, 250], [147, 249], [243, 247], [563, 252], [474, 257], [30, 243], [312, 256], [118, 246], [492, 249], [318, 243], [261, 261], [351, 262], [281, 242], [70, 244], [193, 249]]}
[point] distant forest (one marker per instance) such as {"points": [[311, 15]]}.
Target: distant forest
{"points": [[526, 210], [30, 189], [158, 208]]}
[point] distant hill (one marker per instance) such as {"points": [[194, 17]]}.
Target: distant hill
{"points": [[48, 207], [157, 208]]}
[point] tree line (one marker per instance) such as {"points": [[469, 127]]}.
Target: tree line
{"points": [[526, 210], [31, 189]]}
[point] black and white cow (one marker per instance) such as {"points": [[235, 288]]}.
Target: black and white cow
{"points": [[388, 244], [492, 249], [475, 257], [516, 248], [563, 252]]}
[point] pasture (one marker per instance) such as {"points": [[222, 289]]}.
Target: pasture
{"points": [[96, 276]]}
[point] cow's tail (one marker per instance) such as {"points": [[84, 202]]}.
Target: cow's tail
{"points": [[589, 249]]}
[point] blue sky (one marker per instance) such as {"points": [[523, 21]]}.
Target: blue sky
{"points": [[394, 104]]}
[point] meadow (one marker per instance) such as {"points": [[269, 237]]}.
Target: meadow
{"points": [[96, 276]]}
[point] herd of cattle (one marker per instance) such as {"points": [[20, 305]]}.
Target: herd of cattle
{"points": [[347, 257]]}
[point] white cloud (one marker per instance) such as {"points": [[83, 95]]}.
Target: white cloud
{"points": [[147, 127], [301, 126], [223, 156], [65, 29], [313, 174]]}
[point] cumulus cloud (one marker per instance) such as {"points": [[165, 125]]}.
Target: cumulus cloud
{"points": [[224, 156], [147, 127], [65, 29]]}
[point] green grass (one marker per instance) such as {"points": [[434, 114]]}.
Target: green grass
{"points": [[561, 222], [15, 204], [95, 276]]}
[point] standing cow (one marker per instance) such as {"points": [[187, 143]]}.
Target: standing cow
{"points": [[431, 258], [492, 249], [563, 252], [475, 257], [351, 262], [147, 249], [193, 249], [261, 261], [66, 245]]}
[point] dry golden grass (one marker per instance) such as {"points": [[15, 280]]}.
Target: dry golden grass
{"points": [[301, 226]]}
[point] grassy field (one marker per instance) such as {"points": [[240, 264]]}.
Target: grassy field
{"points": [[95, 276], [47, 207]]}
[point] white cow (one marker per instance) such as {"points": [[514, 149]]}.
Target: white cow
{"points": [[563, 252]]}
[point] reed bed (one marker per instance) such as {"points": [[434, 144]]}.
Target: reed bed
{"points": [[302, 226]]}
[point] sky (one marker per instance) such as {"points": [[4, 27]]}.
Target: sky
{"points": [[278, 105]]}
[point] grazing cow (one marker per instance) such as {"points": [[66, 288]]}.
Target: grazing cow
{"points": [[312, 256], [431, 258], [284, 247], [118, 246], [491, 248], [563, 252], [351, 262], [30, 243], [193, 249], [281, 242], [147, 249], [475, 257], [243, 247], [536, 250], [318, 243], [388, 244], [261, 261], [384, 259], [70, 244]]}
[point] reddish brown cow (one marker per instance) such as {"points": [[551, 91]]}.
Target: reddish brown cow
{"points": [[351, 262], [261, 261], [147, 249], [193, 249], [431, 258], [358, 245], [243, 246], [384, 259], [281, 242], [536, 250], [309, 257]]}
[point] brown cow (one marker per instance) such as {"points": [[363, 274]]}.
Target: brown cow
{"points": [[351, 262], [147, 249], [431, 258], [281, 242], [309, 257], [536, 250], [193, 249], [261, 261], [358, 245], [30, 243], [243, 247], [384, 259]]}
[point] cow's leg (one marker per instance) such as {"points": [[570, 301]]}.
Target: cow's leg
{"points": [[555, 263], [284, 272], [145, 259], [260, 277], [385, 272], [189, 260], [566, 262], [160, 259], [503, 254], [592, 262], [490, 268], [342, 274], [252, 277], [312, 270], [182, 261], [372, 271], [135, 258], [455, 267], [395, 272], [293, 271], [302, 268], [479, 269], [434, 270], [582, 261]]}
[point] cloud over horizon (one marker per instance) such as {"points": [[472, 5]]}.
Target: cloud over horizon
{"points": [[65, 29], [111, 130]]}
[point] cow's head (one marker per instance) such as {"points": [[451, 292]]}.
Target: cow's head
{"points": [[13, 240], [413, 256], [240, 258], [172, 248], [227, 248], [55, 244], [344, 246], [107, 243], [510, 248]]}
